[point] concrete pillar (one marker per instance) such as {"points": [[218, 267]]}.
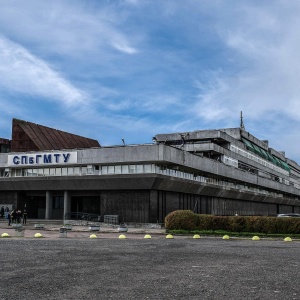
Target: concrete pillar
{"points": [[67, 203], [49, 204]]}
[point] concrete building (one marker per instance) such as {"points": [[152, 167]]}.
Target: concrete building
{"points": [[221, 172]]}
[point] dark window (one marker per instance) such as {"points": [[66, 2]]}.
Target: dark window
{"points": [[58, 202]]}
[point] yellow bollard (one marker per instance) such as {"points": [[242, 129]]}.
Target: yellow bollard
{"points": [[93, 236], [288, 239], [122, 236], [147, 236], [38, 235], [196, 236], [169, 236], [4, 235], [255, 238], [226, 237]]}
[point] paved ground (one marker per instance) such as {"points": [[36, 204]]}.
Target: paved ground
{"points": [[107, 267]]}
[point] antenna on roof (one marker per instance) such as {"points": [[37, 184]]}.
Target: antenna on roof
{"points": [[242, 122], [123, 141]]}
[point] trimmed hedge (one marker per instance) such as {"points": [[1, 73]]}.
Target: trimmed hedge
{"points": [[187, 220]]}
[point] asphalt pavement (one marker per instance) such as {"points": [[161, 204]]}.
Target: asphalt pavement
{"points": [[107, 267]]}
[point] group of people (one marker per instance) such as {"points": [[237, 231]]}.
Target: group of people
{"points": [[14, 216]]}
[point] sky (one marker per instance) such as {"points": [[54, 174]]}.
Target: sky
{"points": [[132, 69]]}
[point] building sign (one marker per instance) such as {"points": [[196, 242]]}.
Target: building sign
{"points": [[42, 159]]}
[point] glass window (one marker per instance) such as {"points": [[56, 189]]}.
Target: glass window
{"points": [[58, 202], [52, 171], [64, 171], [83, 170], [76, 171], [58, 171], [148, 168], [70, 171], [118, 170], [139, 169], [34, 172], [104, 170], [90, 170], [111, 169], [46, 172], [40, 172], [125, 169], [131, 168]]}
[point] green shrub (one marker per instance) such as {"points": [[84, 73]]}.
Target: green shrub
{"points": [[187, 220], [182, 219]]}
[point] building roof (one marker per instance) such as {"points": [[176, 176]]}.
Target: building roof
{"points": [[27, 136]]}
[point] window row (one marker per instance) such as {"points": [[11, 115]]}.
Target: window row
{"points": [[258, 159], [83, 170]]}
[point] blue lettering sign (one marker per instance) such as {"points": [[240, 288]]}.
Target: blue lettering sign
{"points": [[16, 160], [37, 158], [24, 160], [66, 157], [31, 160], [47, 159], [57, 157]]}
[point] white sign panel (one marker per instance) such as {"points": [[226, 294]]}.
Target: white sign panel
{"points": [[42, 159]]}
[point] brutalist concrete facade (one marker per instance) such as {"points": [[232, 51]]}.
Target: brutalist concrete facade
{"points": [[209, 171]]}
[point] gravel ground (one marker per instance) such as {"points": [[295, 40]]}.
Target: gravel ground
{"points": [[78, 267]]}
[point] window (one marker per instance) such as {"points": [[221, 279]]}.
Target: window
{"points": [[76, 171], [90, 170], [118, 169], [83, 170], [148, 168], [111, 169], [58, 202], [132, 169], [139, 168], [104, 170], [70, 171], [125, 169]]}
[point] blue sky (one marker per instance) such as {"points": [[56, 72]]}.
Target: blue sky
{"points": [[132, 69]]}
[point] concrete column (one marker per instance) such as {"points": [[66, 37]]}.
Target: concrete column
{"points": [[49, 204], [67, 203]]}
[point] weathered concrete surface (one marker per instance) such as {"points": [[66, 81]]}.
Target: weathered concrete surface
{"points": [[157, 268]]}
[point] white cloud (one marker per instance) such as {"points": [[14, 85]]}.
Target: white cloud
{"points": [[22, 72], [62, 28], [262, 46]]}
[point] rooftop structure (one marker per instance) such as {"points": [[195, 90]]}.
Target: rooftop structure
{"points": [[27, 136]]}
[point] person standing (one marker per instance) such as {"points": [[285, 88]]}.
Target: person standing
{"points": [[24, 217], [14, 216], [2, 212], [9, 218]]}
